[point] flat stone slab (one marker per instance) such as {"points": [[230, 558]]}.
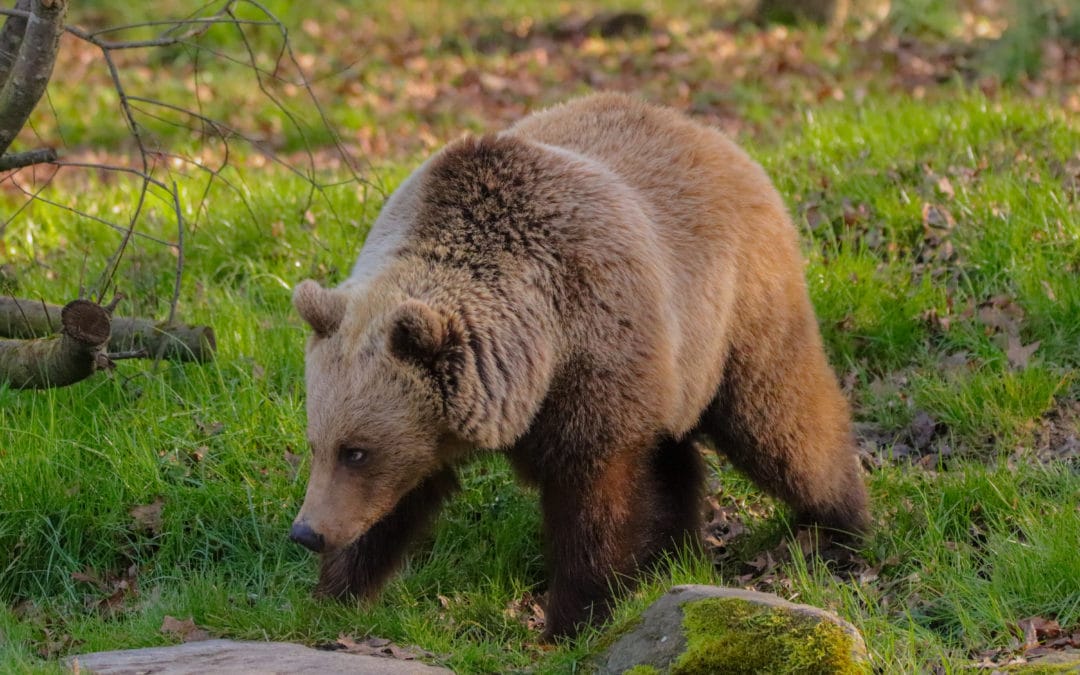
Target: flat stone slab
{"points": [[660, 637], [232, 657]]}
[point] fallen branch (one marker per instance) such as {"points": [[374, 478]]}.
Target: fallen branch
{"points": [[20, 318], [63, 359], [173, 342]]}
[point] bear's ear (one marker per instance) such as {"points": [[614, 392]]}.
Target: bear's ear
{"points": [[323, 309], [418, 333]]}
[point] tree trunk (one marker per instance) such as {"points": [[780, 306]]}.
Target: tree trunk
{"points": [[30, 69], [62, 359], [174, 342], [11, 37]]}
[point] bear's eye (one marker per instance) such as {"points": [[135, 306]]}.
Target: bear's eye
{"points": [[353, 456]]}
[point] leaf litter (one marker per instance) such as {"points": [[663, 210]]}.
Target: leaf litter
{"points": [[184, 629]]}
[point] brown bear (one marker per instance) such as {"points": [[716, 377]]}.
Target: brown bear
{"points": [[588, 292]]}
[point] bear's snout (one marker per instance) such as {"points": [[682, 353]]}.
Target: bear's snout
{"points": [[302, 534]]}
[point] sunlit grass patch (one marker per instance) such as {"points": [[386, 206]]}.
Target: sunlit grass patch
{"points": [[935, 233]]}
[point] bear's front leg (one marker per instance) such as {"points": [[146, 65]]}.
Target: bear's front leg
{"points": [[598, 533], [360, 569]]}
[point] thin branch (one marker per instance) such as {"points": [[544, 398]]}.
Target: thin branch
{"points": [[114, 261], [133, 354], [179, 254], [202, 24], [83, 214], [347, 159], [187, 32], [211, 20], [114, 168]]}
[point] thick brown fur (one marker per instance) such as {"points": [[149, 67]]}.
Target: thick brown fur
{"points": [[587, 292]]}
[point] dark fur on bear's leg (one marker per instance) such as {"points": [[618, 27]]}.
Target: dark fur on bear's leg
{"points": [[679, 471], [598, 532], [360, 569]]}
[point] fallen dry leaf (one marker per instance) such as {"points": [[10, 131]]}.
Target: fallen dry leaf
{"points": [[1037, 629], [148, 516], [186, 630], [88, 576], [1018, 353], [207, 429], [945, 187], [527, 611], [922, 429], [1001, 313], [111, 590], [724, 526]]}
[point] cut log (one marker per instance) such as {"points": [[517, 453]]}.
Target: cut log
{"points": [[20, 318], [63, 359]]}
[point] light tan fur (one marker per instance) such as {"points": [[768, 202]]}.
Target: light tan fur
{"points": [[587, 292]]}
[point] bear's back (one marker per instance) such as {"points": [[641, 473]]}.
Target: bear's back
{"points": [[730, 247], [607, 184]]}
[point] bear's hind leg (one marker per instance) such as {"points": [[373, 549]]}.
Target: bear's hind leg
{"points": [[780, 418], [360, 569]]}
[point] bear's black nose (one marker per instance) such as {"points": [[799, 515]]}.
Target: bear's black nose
{"points": [[302, 534]]}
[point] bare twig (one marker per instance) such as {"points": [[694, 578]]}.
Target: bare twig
{"points": [[179, 255], [133, 354], [155, 165], [119, 228]]}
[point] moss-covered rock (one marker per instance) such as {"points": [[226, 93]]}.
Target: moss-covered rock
{"points": [[731, 635], [694, 630]]}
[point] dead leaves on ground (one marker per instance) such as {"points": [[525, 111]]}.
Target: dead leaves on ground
{"points": [[55, 638], [110, 592], [528, 611], [922, 442], [147, 517], [1056, 437], [417, 87], [1034, 638], [185, 630], [1003, 317]]}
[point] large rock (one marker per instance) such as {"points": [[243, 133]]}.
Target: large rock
{"points": [[708, 629], [231, 657]]}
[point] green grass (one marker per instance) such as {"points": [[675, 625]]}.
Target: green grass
{"points": [[959, 554]]}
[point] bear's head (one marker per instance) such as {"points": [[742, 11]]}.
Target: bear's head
{"points": [[375, 418]]}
